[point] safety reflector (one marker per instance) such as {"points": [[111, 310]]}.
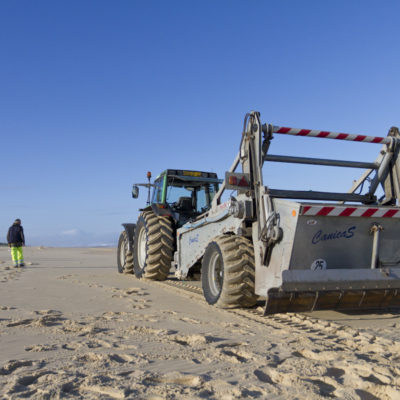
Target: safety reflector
{"points": [[237, 181]]}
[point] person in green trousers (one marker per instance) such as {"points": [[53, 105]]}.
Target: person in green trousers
{"points": [[16, 239]]}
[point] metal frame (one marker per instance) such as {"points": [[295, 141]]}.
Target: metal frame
{"points": [[321, 161], [385, 166], [385, 162]]}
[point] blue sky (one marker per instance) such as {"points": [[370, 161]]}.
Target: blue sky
{"points": [[93, 94]]}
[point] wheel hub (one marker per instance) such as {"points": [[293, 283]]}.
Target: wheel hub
{"points": [[122, 255], [142, 248], [215, 277]]}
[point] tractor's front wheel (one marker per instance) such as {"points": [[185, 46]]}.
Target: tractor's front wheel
{"points": [[124, 256], [154, 246], [228, 272]]}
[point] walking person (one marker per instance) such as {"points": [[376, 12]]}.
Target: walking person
{"points": [[16, 239]]}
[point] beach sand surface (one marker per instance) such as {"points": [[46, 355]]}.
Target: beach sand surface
{"points": [[71, 327]]}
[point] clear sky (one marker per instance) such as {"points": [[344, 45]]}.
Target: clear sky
{"points": [[93, 94]]}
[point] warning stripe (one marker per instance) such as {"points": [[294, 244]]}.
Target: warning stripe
{"points": [[331, 135], [342, 211]]}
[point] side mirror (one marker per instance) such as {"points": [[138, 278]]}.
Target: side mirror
{"points": [[135, 191]]}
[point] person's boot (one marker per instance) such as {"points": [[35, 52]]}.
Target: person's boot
{"points": [[21, 265]]}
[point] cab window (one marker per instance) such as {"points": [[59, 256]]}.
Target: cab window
{"points": [[157, 192], [204, 195]]}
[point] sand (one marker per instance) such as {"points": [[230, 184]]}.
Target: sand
{"points": [[72, 327]]}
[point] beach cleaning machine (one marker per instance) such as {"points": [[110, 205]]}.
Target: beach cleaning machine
{"points": [[300, 250]]}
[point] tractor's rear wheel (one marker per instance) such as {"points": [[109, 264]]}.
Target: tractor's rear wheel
{"points": [[154, 246], [228, 272], [124, 256]]}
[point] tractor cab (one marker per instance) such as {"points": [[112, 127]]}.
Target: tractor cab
{"points": [[183, 195]]}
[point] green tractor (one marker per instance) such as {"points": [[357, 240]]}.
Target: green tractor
{"points": [[178, 196]]}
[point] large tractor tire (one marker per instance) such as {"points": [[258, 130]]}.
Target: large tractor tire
{"points": [[228, 272], [124, 256], [154, 246]]}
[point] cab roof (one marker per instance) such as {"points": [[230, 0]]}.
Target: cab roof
{"points": [[185, 174]]}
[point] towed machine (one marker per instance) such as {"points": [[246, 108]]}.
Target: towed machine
{"points": [[300, 250]]}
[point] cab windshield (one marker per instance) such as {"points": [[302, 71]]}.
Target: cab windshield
{"points": [[190, 195]]}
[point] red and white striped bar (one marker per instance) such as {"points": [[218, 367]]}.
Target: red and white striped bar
{"points": [[345, 211], [331, 135]]}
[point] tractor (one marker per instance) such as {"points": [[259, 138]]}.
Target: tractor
{"points": [[178, 196]]}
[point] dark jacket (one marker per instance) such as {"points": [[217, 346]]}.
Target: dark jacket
{"points": [[15, 235]]}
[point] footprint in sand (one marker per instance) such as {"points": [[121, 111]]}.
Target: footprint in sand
{"points": [[149, 331], [47, 312], [80, 328], [365, 395], [377, 375], [169, 312], [220, 389], [48, 320], [92, 344], [41, 347], [114, 315], [236, 356], [65, 276], [273, 376], [138, 291], [21, 385], [104, 359], [13, 365], [190, 340], [325, 389], [263, 377], [316, 355], [20, 322], [231, 344], [140, 306], [128, 293], [335, 373], [175, 378], [72, 346], [190, 320], [125, 346], [110, 392]]}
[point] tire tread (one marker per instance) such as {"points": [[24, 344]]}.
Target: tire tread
{"points": [[160, 246], [238, 287]]}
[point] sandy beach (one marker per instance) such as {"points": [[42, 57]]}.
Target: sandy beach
{"points": [[72, 327]]}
